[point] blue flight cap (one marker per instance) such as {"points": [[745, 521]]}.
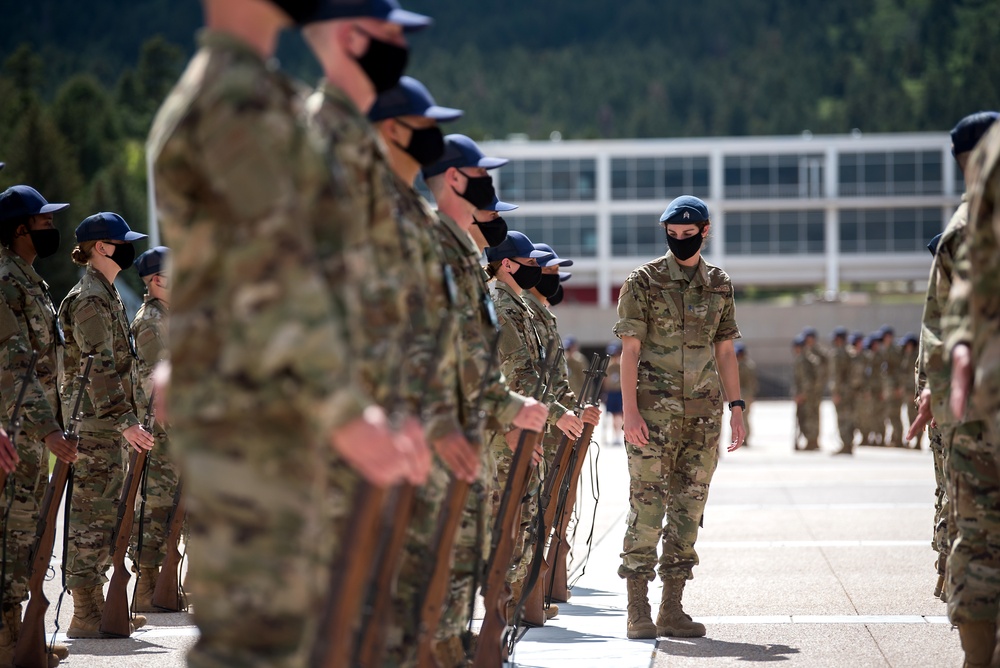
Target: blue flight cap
{"points": [[968, 131], [855, 337], [20, 201], [569, 342], [909, 337], [153, 261], [685, 210], [867, 342], [2, 165], [555, 259], [385, 10], [460, 151], [410, 98], [565, 276], [799, 340], [808, 331], [614, 348], [740, 347], [933, 243], [497, 205], [876, 335], [106, 225], [887, 329], [515, 245], [839, 332]]}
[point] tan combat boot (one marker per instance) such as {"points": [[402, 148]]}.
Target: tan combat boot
{"points": [[144, 590], [978, 642], [86, 622], [551, 611], [640, 619], [8, 637], [671, 621]]}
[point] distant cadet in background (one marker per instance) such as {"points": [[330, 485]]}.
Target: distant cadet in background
{"points": [[613, 393], [749, 384], [843, 396], [576, 362]]}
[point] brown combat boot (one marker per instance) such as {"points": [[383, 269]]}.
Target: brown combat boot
{"points": [[671, 621], [87, 609], [640, 618], [978, 643], [550, 611], [144, 590]]}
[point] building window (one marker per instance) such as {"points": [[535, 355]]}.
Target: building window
{"points": [[773, 176], [549, 180], [637, 235], [659, 178], [890, 173], [570, 236], [774, 232], [888, 230]]}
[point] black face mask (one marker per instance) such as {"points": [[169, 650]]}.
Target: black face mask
{"points": [[548, 284], [494, 231], [557, 297], [123, 256], [46, 241], [382, 62], [426, 144], [526, 276], [685, 249], [479, 191]]}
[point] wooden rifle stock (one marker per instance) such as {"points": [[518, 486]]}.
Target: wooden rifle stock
{"points": [[534, 605], [31, 650], [14, 428], [557, 554], [349, 578], [167, 593], [117, 619]]}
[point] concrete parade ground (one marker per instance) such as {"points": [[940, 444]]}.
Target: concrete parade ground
{"points": [[806, 559]]}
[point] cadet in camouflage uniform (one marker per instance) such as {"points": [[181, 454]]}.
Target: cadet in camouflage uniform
{"points": [[749, 384], [514, 265], [483, 396], [676, 319], [262, 387], [149, 331], [892, 386], [93, 318], [843, 397], [970, 329], [407, 119], [576, 362], [872, 420], [858, 382], [817, 357], [803, 380], [908, 346], [27, 324]]}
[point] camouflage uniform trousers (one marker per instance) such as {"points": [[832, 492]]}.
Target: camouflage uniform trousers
{"points": [[98, 476], [669, 480], [974, 563], [810, 426], [524, 550], [472, 550], [894, 407], [940, 439], [29, 482], [254, 488], [162, 475], [746, 421], [416, 564], [846, 421]]}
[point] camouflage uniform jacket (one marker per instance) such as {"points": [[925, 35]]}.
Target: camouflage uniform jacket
{"points": [[892, 366], [477, 320], [817, 357], [677, 320], [93, 317], [972, 313], [28, 323], [548, 331], [254, 323], [379, 255], [577, 365], [749, 383], [841, 371], [149, 331], [430, 351], [803, 375], [858, 368]]}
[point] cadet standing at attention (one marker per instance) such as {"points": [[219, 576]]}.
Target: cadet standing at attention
{"points": [[149, 330], [262, 385], [28, 324], [749, 384], [843, 397], [816, 357], [803, 379], [576, 362], [972, 337], [892, 387], [486, 397], [908, 381], [407, 118], [93, 318], [677, 322]]}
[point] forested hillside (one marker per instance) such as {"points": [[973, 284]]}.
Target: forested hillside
{"points": [[79, 82]]}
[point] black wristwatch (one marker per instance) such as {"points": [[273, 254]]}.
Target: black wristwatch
{"points": [[739, 402]]}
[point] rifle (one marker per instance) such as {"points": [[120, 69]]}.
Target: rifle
{"points": [[372, 638], [167, 594], [434, 595], [557, 585], [116, 619], [491, 651], [533, 595], [32, 651]]}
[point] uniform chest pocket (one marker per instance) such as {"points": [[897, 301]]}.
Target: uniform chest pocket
{"points": [[666, 309], [710, 308]]}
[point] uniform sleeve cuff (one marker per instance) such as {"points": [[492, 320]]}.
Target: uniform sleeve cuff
{"points": [[38, 432], [126, 421], [339, 409]]}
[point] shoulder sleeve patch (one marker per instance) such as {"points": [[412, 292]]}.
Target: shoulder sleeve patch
{"points": [[9, 325], [91, 329]]}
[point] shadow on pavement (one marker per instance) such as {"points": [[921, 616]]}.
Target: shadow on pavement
{"points": [[123, 647], [583, 591], [556, 634], [709, 648]]}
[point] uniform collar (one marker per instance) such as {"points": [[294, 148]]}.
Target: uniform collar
{"points": [[459, 233], [26, 268], [153, 301], [529, 297], [509, 290], [677, 272]]}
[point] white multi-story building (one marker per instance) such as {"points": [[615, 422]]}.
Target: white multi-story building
{"points": [[804, 211]]}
